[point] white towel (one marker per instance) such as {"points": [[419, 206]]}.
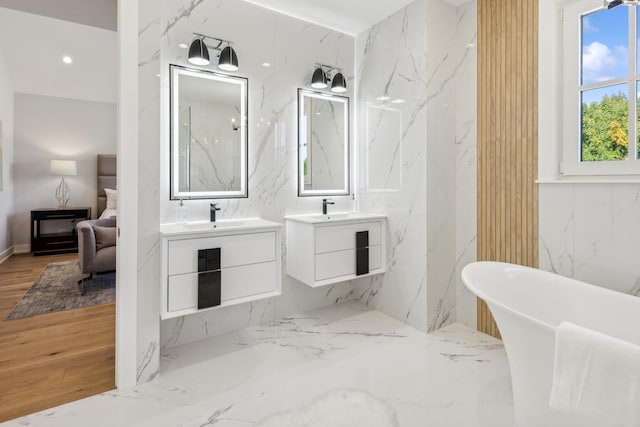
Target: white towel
{"points": [[596, 378]]}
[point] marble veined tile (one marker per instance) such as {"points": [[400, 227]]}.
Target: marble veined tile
{"points": [[453, 377]]}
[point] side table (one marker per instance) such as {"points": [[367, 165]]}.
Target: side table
{"points": [[59, 242]]}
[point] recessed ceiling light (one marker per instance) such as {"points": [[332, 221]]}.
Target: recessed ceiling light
{"points": [[383, 98], [67, 59], [398, 101], [183, 46], [471, 45], [266, 64]]}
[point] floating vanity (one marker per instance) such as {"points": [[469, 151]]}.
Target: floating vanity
{"points": [[209, 265], [326, 249]]}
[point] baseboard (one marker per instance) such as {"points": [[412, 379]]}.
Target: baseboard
{"points": [[4, 255], [22, 249]]}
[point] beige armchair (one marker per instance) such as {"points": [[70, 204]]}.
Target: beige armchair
{"points": [[96, 246]]}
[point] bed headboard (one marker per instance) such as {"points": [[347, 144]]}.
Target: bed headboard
{"points": [[106, 178]]}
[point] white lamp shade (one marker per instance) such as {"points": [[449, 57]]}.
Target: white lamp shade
{"points": [[64, 167]]}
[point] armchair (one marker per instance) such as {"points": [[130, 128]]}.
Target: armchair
{"points": [[95, 253]]}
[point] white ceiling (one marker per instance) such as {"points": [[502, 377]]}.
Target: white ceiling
{"points": [[96, 13], [33, 46], [347, 16]]}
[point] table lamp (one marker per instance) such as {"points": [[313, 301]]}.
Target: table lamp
{"points": [[63, 168]]}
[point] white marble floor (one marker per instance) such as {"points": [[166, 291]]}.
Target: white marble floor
{"points": [[454, 377]]}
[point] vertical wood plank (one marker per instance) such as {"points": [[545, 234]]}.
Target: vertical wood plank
{"points": [[507, 136]]}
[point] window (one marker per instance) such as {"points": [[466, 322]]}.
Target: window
{"points": [[601, 87]]}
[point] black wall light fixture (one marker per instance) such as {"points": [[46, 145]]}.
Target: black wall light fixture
{"points": [[199, 52], [614, 3], [320, 78]]}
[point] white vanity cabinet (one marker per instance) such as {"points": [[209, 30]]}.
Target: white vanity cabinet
{"points": [[207, 266], [326, 249]]}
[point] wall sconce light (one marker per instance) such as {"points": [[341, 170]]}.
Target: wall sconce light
{"points": [[199, 52], [610, 4], [320, 78], [63, 168], [338, 85]]}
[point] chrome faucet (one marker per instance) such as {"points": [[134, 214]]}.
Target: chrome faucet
{"points": [[213, 207], [326, 202]]}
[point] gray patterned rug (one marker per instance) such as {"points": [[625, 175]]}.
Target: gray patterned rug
{"points": [[56, 289]]}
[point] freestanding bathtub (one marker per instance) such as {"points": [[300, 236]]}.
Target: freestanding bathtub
{"points": [[527, 305]]}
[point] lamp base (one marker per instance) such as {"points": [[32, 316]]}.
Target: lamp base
{"points": [[63, 194]]}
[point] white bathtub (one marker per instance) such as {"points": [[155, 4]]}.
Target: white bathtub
{"points": [[528, 304]]}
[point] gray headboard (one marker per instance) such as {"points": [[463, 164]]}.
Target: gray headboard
{"points": [[106, 178]]}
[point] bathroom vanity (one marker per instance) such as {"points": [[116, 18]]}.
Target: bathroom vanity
{"points": [[208, 265], [326, 249]]}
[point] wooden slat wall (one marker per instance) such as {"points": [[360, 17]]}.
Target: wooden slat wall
{"points": [[507, 136]]}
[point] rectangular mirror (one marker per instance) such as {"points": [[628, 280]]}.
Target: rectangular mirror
{"points": [[323, 144], [209, 138]]}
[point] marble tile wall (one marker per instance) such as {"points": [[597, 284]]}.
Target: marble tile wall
{"points": [[443, 62], [419, 55], [392, 66], [419, 58], [291, 47], [148, 255], [466, 157], [590, 232]]}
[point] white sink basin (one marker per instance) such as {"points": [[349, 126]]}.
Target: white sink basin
{"points": [[334, 217], [218, 226], [210, 225]]}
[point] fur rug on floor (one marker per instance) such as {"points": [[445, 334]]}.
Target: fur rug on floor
{"points": [[339, 408]]}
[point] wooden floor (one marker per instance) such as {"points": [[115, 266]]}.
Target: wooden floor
{"points": [[55, 358]]}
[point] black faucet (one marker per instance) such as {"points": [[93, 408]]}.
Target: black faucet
{"points": [[213, 207], [326, 202]]}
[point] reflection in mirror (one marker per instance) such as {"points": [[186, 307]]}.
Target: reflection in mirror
{"points": [[208, 135], [383, 150], [323, 144]]}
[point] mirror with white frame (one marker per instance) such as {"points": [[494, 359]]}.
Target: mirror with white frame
{"points": [[323, 144], [209, 138]]}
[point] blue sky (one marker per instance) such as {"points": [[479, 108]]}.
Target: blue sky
{"points": [[605, 49]]}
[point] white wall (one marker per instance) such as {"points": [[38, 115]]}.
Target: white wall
{"points": [[588, 230], [418, 54], [466, 158], [292, 47], [6, 157], [49, 128], [391, 61]]}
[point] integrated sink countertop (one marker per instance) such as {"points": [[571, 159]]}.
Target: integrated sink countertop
{"points": [[218, 226], [334, 217]]}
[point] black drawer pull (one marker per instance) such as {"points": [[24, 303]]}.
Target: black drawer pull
{"points": [[208, 259], [59, 216], [362, 253], [66, 242], [209, 289], [362, 239]]}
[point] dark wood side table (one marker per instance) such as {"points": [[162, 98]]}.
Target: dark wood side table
{"points": [[56, 242]]}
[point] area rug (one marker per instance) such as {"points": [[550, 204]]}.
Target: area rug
{"points": [[56, 289], [339, 408]]}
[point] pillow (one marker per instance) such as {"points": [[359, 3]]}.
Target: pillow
{"points": [[112, 198], [105, 236], [108, 213]]}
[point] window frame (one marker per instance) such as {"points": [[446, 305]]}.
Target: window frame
{"points": [[571, 146]]}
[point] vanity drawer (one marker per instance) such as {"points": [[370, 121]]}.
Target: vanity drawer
{"points": [[343, 263], [236, 250], [341, 237], [236, 282]]}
